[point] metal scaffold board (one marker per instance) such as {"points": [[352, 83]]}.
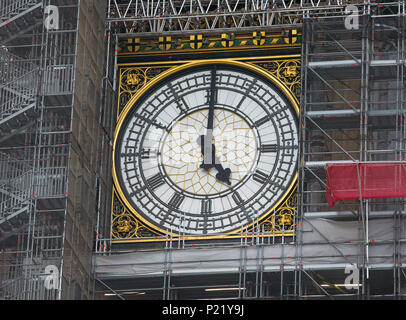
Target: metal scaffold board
{"points": [[145, 17]]}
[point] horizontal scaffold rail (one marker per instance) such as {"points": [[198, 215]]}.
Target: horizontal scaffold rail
{"points": [[147, 17]]}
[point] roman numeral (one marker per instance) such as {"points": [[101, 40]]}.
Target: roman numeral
{"points": [[135, 192], [246, 94], [178, 100], [123, 154], [206, 206], [269, 148], [144, 154], [260, 177], [261, 121], [156, 181], [237, 198], [176, 200], [154, 123], [148, 153]]}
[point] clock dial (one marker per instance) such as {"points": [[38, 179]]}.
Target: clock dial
{"points": [[207, 150], [236, 146]]}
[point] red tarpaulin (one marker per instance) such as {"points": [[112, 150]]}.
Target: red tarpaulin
{"points": [[377, 180]]}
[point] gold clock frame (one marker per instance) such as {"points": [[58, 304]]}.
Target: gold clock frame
{"points": [[125, 220]]}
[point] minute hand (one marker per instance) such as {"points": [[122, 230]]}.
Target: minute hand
{"points": [[211, 100], [207, 152]]}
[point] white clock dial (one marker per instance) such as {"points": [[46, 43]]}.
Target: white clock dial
{"points": [[163, 146]]}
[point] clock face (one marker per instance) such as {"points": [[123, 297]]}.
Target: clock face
{"points": [[207, 150]]}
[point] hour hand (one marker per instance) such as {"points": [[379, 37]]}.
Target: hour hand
{"points": [[207, 152], [222, 174]]}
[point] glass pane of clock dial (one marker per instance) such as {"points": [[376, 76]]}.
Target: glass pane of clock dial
{"points": [[158, 154]]}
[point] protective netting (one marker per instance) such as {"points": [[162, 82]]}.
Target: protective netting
{"points": [[365, 180]]}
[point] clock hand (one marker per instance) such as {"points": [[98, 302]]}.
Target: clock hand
{"points": [[222, 174], [207, 154], [206, 141], [208, 162], [211, 100]]}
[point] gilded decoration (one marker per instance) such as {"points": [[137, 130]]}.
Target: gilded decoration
{"points": [[195, 43], [134, 78], [287, 71], [124, 224], [281, 221]]}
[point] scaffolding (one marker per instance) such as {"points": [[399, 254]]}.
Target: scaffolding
{"points": [[352, 109], [145, 18], [54, 146], [36, 99]]}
